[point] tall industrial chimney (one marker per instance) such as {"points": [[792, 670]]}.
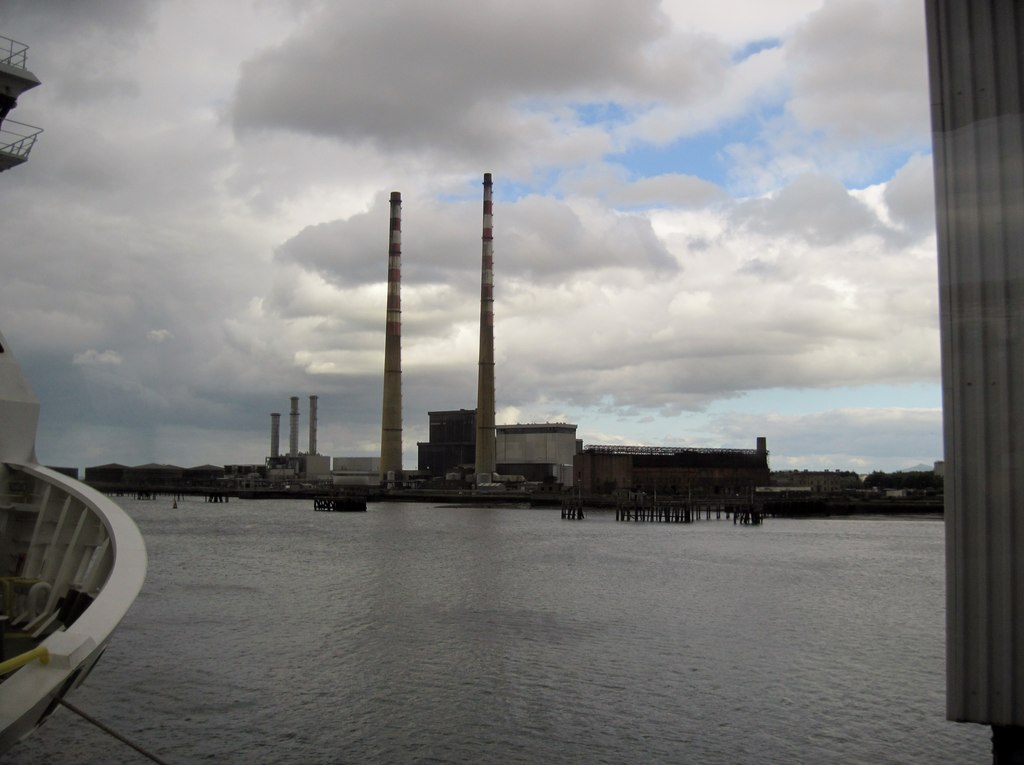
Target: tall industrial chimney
{"points": [[312, 424], [485, 447], [275, 434], [391, 414], [293, 433]]}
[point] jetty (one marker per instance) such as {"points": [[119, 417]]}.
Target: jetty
{"points": [[740, 511]]}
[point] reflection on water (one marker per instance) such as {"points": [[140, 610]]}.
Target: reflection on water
{"points": [[267, 632]]}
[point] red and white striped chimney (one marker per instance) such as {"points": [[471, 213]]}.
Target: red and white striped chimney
{"points": [[391, 415], [485, 435]]}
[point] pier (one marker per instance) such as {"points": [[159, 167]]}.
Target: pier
{"points": [[741, 512]]}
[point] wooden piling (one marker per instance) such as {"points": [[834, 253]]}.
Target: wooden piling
{"points": [[572, 510], [644, 511], [340, 504]]}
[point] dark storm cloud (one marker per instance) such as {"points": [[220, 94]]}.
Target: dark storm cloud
{"points": [[75, 17], [537, 238], [344, 252], [84, 40], [419, 77], [437, 242]]}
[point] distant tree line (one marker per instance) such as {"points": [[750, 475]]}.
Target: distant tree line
{"points": [[919, 480]]}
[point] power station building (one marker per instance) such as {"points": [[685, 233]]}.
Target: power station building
{"points": [[451, 444], [466, 443], [295, 464], [540, 452], [671, 470], [356, 471]]}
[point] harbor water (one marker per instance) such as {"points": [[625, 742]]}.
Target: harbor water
{"points": [[270, 633]]}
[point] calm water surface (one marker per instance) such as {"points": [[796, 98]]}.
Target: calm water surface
{"points": [[270, 633]]}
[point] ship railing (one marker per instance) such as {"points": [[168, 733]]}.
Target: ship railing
{"points": [[17, 142], [12, 52]]}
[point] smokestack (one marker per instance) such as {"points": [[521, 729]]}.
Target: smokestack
{"points": [[312, 424], [293, 433], [391, 414], [275, 434], [485, 456]]}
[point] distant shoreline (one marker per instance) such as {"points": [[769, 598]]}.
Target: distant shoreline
{"points": [[926, 509]]}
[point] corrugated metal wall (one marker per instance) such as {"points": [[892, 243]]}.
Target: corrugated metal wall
{"points": [[975, 62]]}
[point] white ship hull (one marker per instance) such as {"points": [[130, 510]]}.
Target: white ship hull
{"points": [[71, 564]]}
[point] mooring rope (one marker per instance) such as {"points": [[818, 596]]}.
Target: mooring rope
{"points": [[107, 729]]}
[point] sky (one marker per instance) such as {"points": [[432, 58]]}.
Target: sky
{"points": [[712, 222]]}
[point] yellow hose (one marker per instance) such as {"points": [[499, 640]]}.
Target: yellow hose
{"points": [[29, 656]]}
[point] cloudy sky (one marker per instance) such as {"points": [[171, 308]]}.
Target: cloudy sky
{"points": [[712, 222]]}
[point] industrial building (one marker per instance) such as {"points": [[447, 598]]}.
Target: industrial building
{"points": [[671, 471], [309, 466], [356, 471], [818, 481], [540, 452], [451, 444]]}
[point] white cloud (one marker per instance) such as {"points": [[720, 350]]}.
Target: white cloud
{"points": [[910, 196], [97, 358]]}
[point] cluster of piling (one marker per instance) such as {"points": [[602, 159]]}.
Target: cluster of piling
{"points": [[688, 512], [340, 504], [643, 510], [572, 510]]}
